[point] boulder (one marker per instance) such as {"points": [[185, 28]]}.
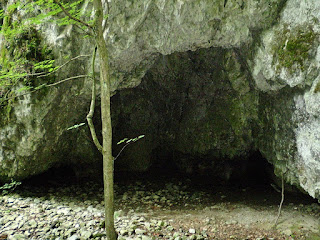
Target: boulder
{"points": [[286, 69]]}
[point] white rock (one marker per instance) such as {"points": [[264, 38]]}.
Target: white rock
{"points": [[139, 231], [74, 237]]}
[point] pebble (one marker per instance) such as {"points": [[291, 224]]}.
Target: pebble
{"points": [[57, 215], [85, 234], [287, 232], [146, 238], [77, 213], [74, 237], [139, 231], [123, 232]]}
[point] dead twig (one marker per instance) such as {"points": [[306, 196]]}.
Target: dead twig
{"points": [[282, 199]]}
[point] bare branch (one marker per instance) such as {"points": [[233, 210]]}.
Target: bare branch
{"points": [[108, 7], [104, 27], [132, 140], [72, 17], [61, 66], [84, 31], [45, 85], [45, 74], [20, 95], [127, 144], [66, 79], [92, 105], [282, 199]]}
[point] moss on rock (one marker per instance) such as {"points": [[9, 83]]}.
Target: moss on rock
{"points": [[292, 47], [21, 51]]}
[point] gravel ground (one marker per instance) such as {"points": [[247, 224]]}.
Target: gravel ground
{"points": [[164, 209]]}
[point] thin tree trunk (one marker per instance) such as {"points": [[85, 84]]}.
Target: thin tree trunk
{"points": [[93, 104], [106, 122]]}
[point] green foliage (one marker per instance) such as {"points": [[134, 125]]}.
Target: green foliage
{"points": [[131, 140], [23, 56], [9, 187], [76, 126], [50, 9], [22, 51], [127, 141]]}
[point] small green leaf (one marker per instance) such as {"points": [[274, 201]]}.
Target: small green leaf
{"points": [[121, 141], [130, 140], [41, 86], [9, 187], [25, 88], [76, 126]]}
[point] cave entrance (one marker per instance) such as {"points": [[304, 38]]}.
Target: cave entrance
{"points": [[192, 107], [253, 171], [248, 180], [250, 171]]}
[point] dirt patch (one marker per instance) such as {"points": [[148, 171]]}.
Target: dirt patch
{"points": [[224, 212]]}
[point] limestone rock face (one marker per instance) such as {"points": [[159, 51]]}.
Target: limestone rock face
{"points": [[141, 29], [205, 81], [287, 67]]}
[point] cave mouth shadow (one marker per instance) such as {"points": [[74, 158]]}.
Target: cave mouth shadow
{"points": [[251, 181], [62, 176], [248, 180], [252, 170]]}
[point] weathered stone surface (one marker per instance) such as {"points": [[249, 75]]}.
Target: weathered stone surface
{"points": [[37, 138], [142, 28], [287, 66]]}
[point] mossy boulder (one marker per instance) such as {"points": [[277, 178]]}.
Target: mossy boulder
{"points": [[286, 69], [293, 47]]}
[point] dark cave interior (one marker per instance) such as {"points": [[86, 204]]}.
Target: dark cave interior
{"points": [[256, 174], [254, 170], [253, 184]]}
